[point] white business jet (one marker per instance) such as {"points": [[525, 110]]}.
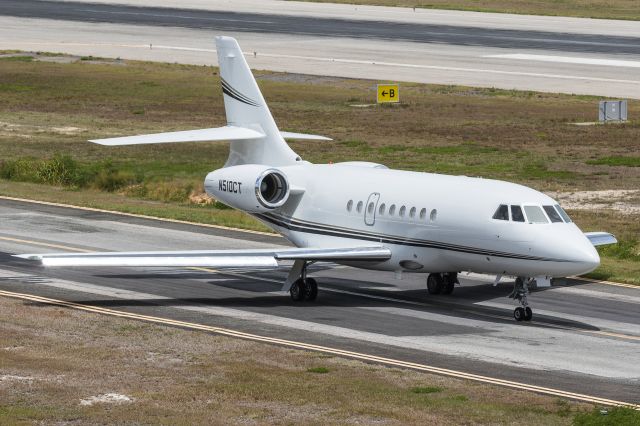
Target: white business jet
{"points": [[363, 214]]}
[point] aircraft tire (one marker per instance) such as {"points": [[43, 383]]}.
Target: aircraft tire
{"points": [[435, 283], [449, 282], [297, 291], [310, 292], [519, 314]]}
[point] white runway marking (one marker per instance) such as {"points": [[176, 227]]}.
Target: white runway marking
{"points": [[568, 60]]}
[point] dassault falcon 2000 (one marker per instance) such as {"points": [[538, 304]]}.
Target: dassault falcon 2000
{"points": [[363, 214]]}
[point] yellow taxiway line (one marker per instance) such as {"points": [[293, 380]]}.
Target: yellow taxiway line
{"points": [[591, 280], [319, 348], [38, 243]]}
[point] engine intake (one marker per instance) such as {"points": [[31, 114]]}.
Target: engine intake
{"points": [[272, 188]]}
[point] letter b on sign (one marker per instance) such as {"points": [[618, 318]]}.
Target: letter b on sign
{"points": [[388, 93]]}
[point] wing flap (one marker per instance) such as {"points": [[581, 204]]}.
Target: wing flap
{"points": [[226, 133], [601, 238], [267, 258]]}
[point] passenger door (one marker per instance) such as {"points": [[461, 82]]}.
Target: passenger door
{"points": [[370, 209]]}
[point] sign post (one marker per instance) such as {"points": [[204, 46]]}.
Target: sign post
{"points": [[388, 93]]}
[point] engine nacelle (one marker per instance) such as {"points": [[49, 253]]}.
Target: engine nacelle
{"points": [[249, 187]]}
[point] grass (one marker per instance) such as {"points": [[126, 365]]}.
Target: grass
{"points": [[318, 370], [53, 357], [626, 161], [49, 110], [426, 389], [614, 9]]}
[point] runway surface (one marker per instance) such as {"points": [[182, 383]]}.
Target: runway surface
{"points": [[548, 54], [584, 338]]}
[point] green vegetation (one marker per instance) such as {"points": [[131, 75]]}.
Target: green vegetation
{"points": [[618, 416], [612, 9], [426, 389], [17, 58], [175, 376], [49, 110], [318, 370], [616, 161]]}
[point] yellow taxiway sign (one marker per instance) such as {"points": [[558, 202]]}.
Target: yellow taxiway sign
{"points": [[388, 93]]}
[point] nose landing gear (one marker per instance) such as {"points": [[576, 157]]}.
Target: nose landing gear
{"points": [[520, 293]]}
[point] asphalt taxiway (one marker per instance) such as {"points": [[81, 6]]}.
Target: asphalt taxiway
{"points": [[584, 337], [550, 54]]}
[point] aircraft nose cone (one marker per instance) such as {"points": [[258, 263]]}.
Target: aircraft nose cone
{"points": [[588, 257]]}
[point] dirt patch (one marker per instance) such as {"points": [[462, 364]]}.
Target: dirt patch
{"points": [[107, 398], [625, 201]]}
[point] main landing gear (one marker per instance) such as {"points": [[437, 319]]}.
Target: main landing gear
{"points": [[442, 283], [520, 293], [304, 288]]}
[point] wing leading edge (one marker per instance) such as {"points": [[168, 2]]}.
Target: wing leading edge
{"points": [[600, 238], [267, 258]]}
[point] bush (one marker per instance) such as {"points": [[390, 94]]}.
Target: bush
{"points": [[61, 170]]}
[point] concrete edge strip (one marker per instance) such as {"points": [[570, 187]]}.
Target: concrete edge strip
{"points": [[324, 349], [139, 216]]}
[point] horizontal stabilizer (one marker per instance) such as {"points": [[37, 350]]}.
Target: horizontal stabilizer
{"points": [[265, 258], [304, 136], [600, 238], [226, 133]]}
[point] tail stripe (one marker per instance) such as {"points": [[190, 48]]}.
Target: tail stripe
{"points": [[230, 91]]}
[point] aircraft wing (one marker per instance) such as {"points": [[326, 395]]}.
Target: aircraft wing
{"points": [[265, 258], [600, 238], [225, 133]]}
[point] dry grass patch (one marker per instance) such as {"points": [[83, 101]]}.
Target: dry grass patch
{"points": [[53, 359]]}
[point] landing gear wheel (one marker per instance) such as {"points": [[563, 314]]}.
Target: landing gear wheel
{"points": [[310, 289], [528, 314], [435, 283], [297, 290], [519, 314], [449, 282]]}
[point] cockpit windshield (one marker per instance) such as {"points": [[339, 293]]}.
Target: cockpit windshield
{"points": [[552, 213], [531, 213], [563, 214], [535, 214]]}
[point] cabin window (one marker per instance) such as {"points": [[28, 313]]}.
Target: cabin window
{"points": [[402, 211], [359, 207], [370, 208], [433, 216], [423, 213], [553, 214], [349, 205], [563, 214], [535, 214], [392, 210], [502, 213], [382, 208], [516, 214], [412, 212]]}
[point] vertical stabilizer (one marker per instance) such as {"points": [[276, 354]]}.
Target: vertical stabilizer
{"points": [[245, 107]]}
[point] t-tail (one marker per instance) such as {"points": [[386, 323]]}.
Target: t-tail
{"points": [[253, 134]]}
